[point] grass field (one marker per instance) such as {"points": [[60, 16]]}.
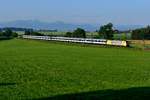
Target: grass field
{"points": [[46, 70]]}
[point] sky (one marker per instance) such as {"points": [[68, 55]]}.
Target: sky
{"points": [[135, 12]]}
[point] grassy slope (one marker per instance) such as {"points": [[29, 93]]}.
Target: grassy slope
{"points": [[31, 69]]}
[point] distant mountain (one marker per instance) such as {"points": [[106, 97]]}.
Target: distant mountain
{"points": [[60, 26], [127, 27], [35, 24]]}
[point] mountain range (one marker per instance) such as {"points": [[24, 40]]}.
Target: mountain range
{"points": [[60, 26]]}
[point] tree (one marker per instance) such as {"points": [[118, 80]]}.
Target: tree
{"points": [[8, 33], [141, 34], [1, 34], [79, 33], [106, 31], [68, 34], [0, 30], [31, 32], [15, 34]]}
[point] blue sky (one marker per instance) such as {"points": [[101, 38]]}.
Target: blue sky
{"points": [[77, 11]]}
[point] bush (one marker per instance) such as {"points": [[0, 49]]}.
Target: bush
{"points": [[79, 33], [15, 34], [68, 34]]}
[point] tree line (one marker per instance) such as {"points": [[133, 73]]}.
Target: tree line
{"points": [[31, 32], [106, 32], [141, 33], [7, 34]]}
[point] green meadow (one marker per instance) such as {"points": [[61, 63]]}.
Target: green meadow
{"points": [[46, 70]]}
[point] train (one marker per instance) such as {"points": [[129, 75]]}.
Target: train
{"points": [[78, 40]]}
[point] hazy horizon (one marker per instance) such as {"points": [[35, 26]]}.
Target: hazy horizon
{"points": [[119, 12]]}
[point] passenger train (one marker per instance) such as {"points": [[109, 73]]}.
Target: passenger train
{"points": [[78, 40]]}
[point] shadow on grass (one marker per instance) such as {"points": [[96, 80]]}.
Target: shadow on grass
{"points": [[7, 84], [140, 93]]}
